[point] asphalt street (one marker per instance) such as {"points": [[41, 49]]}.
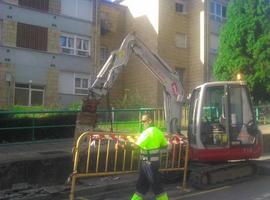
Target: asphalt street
{"points": [[257, 188]]}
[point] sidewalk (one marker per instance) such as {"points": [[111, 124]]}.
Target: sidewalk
{"points": [[32, 151]]}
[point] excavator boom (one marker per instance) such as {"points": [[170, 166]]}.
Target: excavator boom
{"points": [[169, 78]]}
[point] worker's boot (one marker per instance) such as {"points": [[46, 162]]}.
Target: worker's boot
{"points": [[162, 196], [136, 196]]}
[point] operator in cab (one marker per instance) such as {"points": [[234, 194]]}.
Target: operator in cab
{"points": [[151, 141]]}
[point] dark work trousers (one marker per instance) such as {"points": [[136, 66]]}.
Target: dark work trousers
{"points": [[145, 182]]}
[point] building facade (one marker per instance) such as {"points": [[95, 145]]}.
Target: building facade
{"points": [[46, 51], [183, 32], [50, 50]]}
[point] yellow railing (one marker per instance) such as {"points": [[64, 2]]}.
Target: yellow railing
{"points": [[101, 154]]}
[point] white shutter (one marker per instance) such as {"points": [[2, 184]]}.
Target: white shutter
{"points": [[66, 83], [85, 10], [68, 7]]}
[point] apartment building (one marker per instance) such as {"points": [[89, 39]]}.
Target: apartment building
{"points": [[183, 32], [49, 49], [46, 51]]}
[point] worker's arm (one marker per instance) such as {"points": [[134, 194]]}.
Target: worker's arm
{"points": [[142, 140], [164, 142]]}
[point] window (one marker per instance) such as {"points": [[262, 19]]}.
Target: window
{"points": [[37, 4], [180, 6], [29, 95], [181, 40], [33, 37], [104, 54], [67, 44], [82, 47], [213, 114], [81, 84], [75, 45], [73, 83], [213, 43], [82, 9], [217, 12], [105, 25], [241, 118]]}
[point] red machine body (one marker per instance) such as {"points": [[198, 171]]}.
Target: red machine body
{"points": [[222, 126]]}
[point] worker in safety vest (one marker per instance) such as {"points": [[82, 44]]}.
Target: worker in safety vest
{"points": [[150, 142]]}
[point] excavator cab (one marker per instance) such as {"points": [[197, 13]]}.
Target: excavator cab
{"points": [[222, 124]]}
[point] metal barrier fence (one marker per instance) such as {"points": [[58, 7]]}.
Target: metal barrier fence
{"points": [[101, 154], [128, 120], [33, 126]]}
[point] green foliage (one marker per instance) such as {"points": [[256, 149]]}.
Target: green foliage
{"points": [[30, 109], [75, 106], [17, 108], [131, 99], [245, 46], [124, 126]]}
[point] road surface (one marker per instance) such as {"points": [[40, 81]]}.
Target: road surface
{"points": [[257, 188]]}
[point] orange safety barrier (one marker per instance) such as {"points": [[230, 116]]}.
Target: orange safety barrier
{"points": [[101, 154]]}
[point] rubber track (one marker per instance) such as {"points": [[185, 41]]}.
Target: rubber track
{"points": [[200, 175]]}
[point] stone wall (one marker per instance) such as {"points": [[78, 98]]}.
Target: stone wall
{"points": [[54, 34], [53, 45], [6, 87], [170, 24], [51, 90], [196, 50], [9, 33], [55, 6]]}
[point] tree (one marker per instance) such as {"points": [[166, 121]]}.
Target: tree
{"points": [[245, 46]]}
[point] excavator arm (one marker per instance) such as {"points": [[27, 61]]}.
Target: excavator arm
{"points": [[173, 90]]}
